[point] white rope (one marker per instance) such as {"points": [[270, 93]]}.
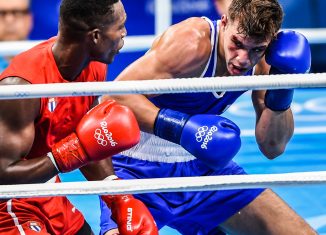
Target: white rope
{"points": [[12, 48], [235, 83], [144, 42], [163, 15], [314, 35], [181, 184]]}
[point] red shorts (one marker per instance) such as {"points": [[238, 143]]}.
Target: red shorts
{"points": [[31, 216]]}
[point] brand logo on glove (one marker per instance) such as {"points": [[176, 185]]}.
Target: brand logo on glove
{"points": [[129, 219], [100, 137], [201, 133], [203, 137]]}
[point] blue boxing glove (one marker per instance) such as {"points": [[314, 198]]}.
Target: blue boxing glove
{"points": [[212, 139], [288, 53]]}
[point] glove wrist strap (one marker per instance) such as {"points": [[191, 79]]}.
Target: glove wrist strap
{"points": [[110, 199], [169, 124], [278, 99], [69, 154]]}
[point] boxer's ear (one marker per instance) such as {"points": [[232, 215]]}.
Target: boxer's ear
{"points": [[95, 35], [224, 21]]}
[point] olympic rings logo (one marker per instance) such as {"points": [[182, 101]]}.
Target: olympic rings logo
{"points": [[100, 137], [201, 131]]}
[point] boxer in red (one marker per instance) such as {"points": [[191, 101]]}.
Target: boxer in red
{"points": [[42, 137]]}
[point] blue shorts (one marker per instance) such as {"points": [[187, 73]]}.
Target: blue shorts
{"points": [[188, 212]]}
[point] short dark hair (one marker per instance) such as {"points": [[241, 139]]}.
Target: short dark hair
{"points": [[86, 14], [257, 18]]}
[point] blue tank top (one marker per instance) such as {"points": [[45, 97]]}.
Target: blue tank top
{"points": [[202, 102]]}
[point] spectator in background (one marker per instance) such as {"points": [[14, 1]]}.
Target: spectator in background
{"points": [[16, 22]]}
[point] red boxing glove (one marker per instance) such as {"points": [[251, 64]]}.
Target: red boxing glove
{"points": [[131, 215], [105, 130]]}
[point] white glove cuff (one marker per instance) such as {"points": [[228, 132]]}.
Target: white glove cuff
{"points": [[112, 177]]}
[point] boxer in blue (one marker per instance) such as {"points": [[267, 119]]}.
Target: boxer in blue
{"points": [[185, 134]]}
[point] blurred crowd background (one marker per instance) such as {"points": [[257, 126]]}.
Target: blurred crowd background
{"points": [[141, 21]]}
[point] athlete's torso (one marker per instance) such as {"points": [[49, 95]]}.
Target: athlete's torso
{"points": [[208, 102]]}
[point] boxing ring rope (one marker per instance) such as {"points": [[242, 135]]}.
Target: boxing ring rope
{"points": [[314, 35], [204, 183], [142, 43], [180, 184], [181, 85]]}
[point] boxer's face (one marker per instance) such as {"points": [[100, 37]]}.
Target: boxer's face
{"points": [[15, 20], [111, 40], [242, 52]]}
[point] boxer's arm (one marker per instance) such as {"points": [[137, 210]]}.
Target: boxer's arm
{"points": [[180, 52], [288, 53], [273, 129], [17, 135], [98, 170]]}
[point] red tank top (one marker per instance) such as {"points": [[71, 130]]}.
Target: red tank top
{"points": [[58, 118]]}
